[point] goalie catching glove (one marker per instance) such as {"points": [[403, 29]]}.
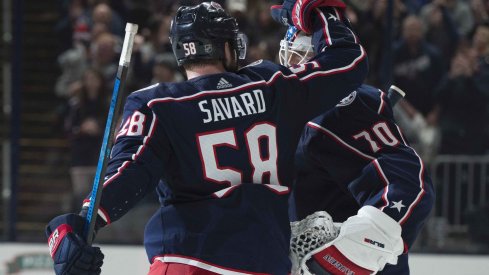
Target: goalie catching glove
{"points": [[365, 244], [299, 12]]}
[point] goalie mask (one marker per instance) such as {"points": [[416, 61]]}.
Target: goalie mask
{"points": [[296, 48]]}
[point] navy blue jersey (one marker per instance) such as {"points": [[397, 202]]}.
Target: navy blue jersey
{"points": [[220, 151], [355, 155]]}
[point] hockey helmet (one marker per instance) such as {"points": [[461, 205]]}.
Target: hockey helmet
{"points": [[200, 33], [296, 48]]}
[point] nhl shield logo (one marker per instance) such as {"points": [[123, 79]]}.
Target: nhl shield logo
{"points": [[347, 100]]}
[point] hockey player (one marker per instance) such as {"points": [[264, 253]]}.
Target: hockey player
{"points": [[354, 163], [219, 148]]}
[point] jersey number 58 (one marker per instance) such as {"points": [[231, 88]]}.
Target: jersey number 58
{"points": [[254, 137]]}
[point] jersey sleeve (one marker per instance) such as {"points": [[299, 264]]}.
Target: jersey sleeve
{"points": [[338, 68], [136, 164]]}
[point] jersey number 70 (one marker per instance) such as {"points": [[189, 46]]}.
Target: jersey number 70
{"points": [[261, 166]]}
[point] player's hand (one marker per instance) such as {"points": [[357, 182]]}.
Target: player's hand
{"points": [[70, 253], [299, 13], [283, 13], [365, 244]]}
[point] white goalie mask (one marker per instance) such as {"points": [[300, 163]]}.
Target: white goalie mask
{"points": [[296, 48]]}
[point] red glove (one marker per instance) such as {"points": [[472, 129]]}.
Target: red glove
{"points": [[303, 10]]}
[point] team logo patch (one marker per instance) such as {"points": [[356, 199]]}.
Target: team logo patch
{"points": [[347, 100], [208, 48]]}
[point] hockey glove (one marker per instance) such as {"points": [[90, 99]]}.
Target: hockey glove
{"points": [[70, 253], [309, 234], [365, 244], [299, 12], [283, 13]]}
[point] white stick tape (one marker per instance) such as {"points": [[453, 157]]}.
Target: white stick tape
{"points": [[398, 90], [131, 30]]}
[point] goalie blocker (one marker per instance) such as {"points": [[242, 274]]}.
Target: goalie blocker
{"points": [[365, 244]]}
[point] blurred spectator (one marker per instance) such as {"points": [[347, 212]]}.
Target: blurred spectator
{"points": [[104, 53], [461, 104], [480, 9], [265, 43], [101, 55], [369, 20], [73, 63], [165, 69], [103, 14], [152, 41], [417, 66], [441, 30], [417, 70], [459, 10], [415, 6], [84, 121], [74, 23]]}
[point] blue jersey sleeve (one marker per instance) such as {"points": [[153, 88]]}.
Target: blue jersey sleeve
{"points": [[339, 67], [359, 147], [136, 163]]}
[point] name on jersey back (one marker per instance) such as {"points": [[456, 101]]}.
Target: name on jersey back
{"points": [[245, 104]]}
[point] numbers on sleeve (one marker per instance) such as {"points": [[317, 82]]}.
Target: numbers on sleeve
{"points": [[134, 125], [262, 165], [382, 132], [373, 144]]}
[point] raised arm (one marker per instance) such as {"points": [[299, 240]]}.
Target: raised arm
{"points": [[339, 65]]}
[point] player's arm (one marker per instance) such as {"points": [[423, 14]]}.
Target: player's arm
{"points": [[339, 66], [396, 180], [404, 191], [136, 163], [134, 170], [363, 244]]}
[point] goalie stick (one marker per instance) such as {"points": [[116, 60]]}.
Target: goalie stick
{"points": [[395, 94], [108, 141]]}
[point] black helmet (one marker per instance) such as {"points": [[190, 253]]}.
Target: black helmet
{"points": [[200, 32]]}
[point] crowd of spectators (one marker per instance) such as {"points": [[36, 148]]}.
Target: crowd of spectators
{"points": [[437, 51]]}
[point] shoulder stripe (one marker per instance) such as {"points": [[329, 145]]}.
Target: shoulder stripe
{"points": [[386, 183], [147, 88], [421, 183], [339, 140], [136, 155], [346, 68], [327, 35], [269, 82], [382, 103]]}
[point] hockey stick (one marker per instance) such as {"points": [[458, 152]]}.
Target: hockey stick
{"points": [[394, 95], [108, 141]]}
